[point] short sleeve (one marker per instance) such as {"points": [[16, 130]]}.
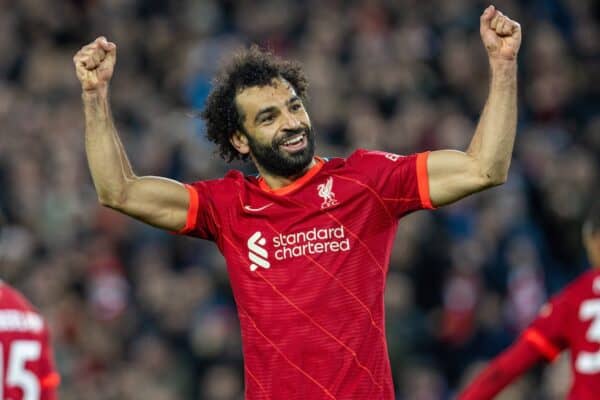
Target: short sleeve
{"points": [[400, 181], [201, 219], [547, 332]]}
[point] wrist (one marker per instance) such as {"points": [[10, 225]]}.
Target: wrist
{"points": [[98, 92], [502, 65], [503, 71]]}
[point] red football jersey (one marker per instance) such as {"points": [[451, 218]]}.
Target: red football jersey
{"points": [[572, 320], [26, 359], [307, 264]]}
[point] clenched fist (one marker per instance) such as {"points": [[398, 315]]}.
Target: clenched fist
{"points": [[95, 63], [500, 35]]}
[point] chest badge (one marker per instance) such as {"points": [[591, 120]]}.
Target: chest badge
{"points": [[325, 191]]}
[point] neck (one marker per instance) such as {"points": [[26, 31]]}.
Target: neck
{"points": [[277, 181]]}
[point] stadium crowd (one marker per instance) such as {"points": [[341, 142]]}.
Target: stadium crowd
{"points": [[137, 313]]}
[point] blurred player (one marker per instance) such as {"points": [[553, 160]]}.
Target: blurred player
{"points": [[571, 320], [308, 242], [26, 360]]}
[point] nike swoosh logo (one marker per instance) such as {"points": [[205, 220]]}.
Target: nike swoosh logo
{"points": [[258, 208]]}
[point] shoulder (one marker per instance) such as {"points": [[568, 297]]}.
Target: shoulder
{"points": [[589, 279], [588, 283], [12, 298], [231, 183], [585, 286], [379, 159], [17, 311], [365, 154]]}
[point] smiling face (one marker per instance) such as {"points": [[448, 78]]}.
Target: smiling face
{"points": [[277, 133]]}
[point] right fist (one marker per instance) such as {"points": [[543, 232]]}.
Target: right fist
{"points": [[95, 63]]}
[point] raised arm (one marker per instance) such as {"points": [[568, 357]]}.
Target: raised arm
{"points": [[455, 174], [502, 371], [157, 201]]}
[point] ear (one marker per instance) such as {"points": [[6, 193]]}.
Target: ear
{"points": [[240, 141]]}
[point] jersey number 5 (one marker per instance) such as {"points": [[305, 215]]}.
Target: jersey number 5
{"points": [[589, 363], [17, 354]]}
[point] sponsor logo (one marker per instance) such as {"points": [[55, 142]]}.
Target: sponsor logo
{"points": [[311, 242], [257, 254], [257, 209], [326, 193]]}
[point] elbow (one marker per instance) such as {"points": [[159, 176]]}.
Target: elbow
{"points": [[492, 175], [107, 201], [115, 195], [111, 200], [495, 179]]}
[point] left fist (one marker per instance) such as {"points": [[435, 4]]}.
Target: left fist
{"points": [[500, 35]]}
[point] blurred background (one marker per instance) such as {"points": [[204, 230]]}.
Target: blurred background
{"points": [[137, 313]]}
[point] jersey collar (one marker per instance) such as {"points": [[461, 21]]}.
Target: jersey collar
{"points": [[298, 183]]}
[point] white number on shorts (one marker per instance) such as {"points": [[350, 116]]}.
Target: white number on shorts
{"points": [[589, 363], [18, 354]]}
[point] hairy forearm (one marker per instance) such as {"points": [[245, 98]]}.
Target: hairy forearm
{"points": [[494, 137], [107, 160]]}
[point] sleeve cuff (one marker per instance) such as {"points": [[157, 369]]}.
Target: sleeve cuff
{"points": [[192, 215], [423, 181], [548, 349], [50, 381]]}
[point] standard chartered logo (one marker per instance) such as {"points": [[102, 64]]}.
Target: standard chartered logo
{"points": [[257, 253], [297, 244], [310, 242]]}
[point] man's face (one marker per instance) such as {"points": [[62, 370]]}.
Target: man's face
{"points": [[277, 128]]}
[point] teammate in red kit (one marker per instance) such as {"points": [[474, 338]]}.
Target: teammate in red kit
{"points": [[308, 241], [571, 320], [26, 361]]}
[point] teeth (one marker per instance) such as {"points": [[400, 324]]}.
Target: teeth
{"points": [[293, 141]]}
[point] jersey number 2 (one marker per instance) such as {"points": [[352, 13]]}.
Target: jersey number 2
{"points": [[17, 354], [589, 363]]}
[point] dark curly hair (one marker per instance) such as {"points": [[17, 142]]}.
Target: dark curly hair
{"points": [[251, 67]]}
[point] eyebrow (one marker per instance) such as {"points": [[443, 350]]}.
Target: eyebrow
{"points": [[270, 109]]}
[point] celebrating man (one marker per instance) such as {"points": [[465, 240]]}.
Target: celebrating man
{"points": [[308, 241]]}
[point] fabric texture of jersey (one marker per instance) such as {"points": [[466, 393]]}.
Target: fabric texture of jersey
{"points": [[26, 358], [307, 264], [572, 320]]}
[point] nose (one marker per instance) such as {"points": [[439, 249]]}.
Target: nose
{"points": [[291, 121]]}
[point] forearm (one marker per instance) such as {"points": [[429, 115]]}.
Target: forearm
{"points": [[504, 369], [107, 160], [493, 141]]}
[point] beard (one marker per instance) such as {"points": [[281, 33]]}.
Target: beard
{"points": [[279, 162]]}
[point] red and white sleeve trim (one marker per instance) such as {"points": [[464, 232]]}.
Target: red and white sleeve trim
{"points": [[192, 215], [423, 180], [548, 349]]}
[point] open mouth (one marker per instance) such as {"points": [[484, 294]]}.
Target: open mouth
{"points": [[295, 143]]}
